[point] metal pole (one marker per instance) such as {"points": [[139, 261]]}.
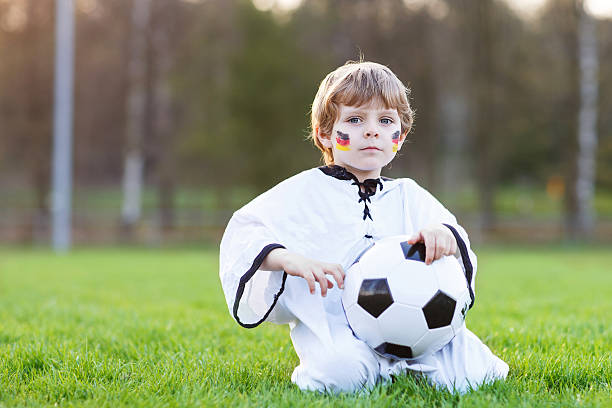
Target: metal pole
{"points": [[587, 122], [62, 126]]}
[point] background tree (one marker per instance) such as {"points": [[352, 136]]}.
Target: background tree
{"points": [[27, 86], [201, 80], [561, 28], [163, 35], [101, 89], [271, 91], [228, 88], [133, 170], [587, 122]]}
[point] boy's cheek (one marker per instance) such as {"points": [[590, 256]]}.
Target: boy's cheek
{"points": [[343, 141], [395, 137]]}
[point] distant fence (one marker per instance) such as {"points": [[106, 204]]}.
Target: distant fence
{"points": [[95, 228], [201, 214], [192, 226]]}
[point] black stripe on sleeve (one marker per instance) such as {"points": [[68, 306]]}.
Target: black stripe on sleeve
{"points": [[467, 264], [247, 276]]}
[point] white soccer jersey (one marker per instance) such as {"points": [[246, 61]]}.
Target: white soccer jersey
{"points": [[323, 214]]}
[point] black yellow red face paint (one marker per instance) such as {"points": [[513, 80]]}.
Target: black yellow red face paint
{"points": [[395, 139], [343, 141]]}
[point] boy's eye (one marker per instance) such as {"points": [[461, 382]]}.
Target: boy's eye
{"points": [[388, 121], [353, 120]]}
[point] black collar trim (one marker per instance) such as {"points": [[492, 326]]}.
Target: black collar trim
{"points": [[369, 185], [338, 172], [341, 173]]}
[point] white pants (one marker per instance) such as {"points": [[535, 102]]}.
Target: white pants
{"points": [[349, 365]]}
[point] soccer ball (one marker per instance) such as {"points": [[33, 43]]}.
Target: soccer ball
{"points": [[400, 306]]}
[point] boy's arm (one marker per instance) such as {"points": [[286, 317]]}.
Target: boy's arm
{"points": [[309, 269], [251, 294], [424, 211], [439, 241]]}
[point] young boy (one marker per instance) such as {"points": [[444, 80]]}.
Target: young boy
{"points": [[282, 252]]}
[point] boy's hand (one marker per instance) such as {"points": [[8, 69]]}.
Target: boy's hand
{"points": [[309, 269], [438, 240]]}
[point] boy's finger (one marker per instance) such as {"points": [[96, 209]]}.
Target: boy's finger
{"points": [[320, 276], [453, 246], [449, 246], [341, 270], [311, 283], [430, 248], [415, 238], [338, 279], [338, 274], [436, 250], [441, 249]]}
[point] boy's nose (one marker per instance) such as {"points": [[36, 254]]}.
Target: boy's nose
{"points": [[370, 133]]}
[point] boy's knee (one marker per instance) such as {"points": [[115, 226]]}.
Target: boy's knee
{"points": [[340, 372]]}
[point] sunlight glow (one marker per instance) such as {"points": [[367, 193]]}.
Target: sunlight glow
{"points": [[279, 5], [15, 18], [599, 8]]}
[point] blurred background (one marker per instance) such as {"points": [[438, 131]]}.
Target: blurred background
{"points": [[186, 110]]}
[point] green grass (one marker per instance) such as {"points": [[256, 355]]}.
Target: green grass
{"points": [[150, 328]]}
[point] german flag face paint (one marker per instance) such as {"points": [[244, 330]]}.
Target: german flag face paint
{"points": [[395, 139], [343, 141]]}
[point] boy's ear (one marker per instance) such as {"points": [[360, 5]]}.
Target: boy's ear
{"points": [[323, 138]]}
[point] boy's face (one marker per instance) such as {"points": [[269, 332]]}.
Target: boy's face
{"points": [[364, 139]]}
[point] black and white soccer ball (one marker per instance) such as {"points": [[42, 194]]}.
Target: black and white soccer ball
{"points": [[400, 306]]}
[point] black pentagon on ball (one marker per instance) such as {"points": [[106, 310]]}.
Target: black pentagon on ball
{"points": [[415, 252], [439, 310], [375, 296], [394, 350]]}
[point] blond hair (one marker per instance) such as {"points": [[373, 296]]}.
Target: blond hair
{"points": [[357, 83]]}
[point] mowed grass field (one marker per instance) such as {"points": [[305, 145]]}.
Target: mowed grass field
{"points": [[136, 327]]}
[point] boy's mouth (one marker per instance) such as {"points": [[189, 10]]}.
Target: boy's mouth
{"points": [[370, 148]]}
